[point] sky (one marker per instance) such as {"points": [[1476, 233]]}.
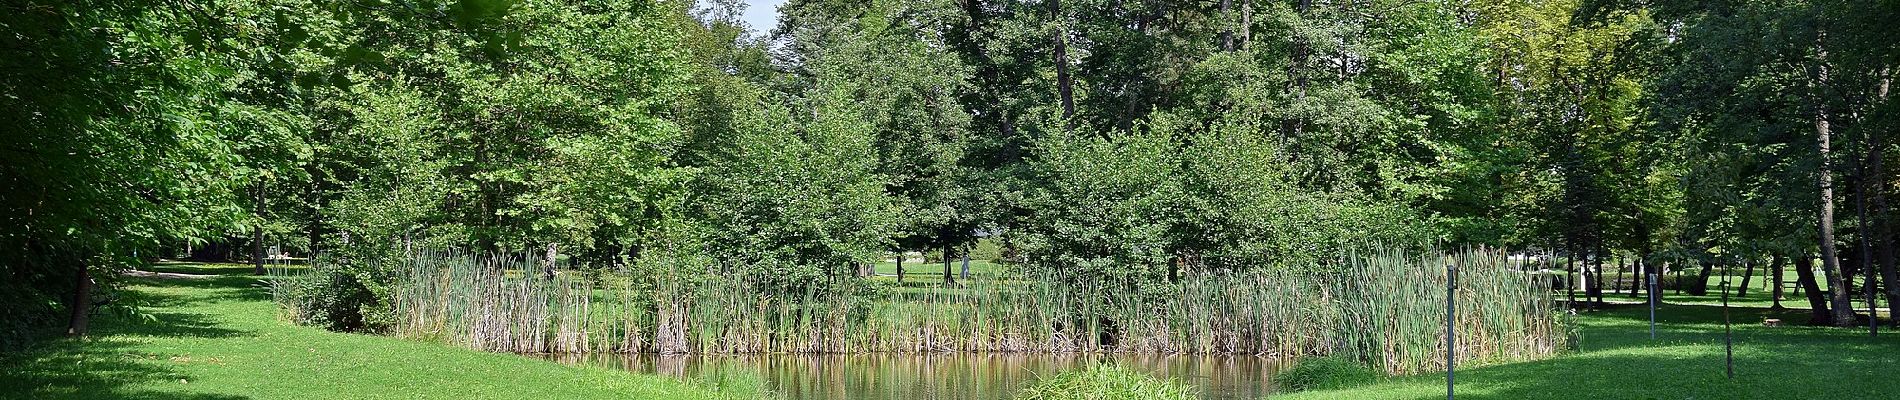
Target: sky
{"points": [[762, 15]]}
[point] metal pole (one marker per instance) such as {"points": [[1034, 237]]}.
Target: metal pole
{"points": [[1451, 340], [1652, 305], [1728, 335]]}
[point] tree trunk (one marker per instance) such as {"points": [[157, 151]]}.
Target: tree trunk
{"points": [[1748, 270], [1618, 286], [947, 279], [1174, 269], [257, 228], [900, 267], [1830, 258], [1679, 284], [1246, 23], [1227, 30], [1883, 233], [1064, 83], [1864, 258], [1296, 126], [1701, 285], [1804, 271], [313, 228], [547, 264], [1596, 278], [81, 307], [1570, 276]]}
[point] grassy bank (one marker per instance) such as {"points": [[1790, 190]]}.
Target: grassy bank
{"points": [[1618, 360], [220, 338]]}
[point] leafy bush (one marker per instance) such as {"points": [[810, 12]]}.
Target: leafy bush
{"points": [[987, 249], [1106, 382], [328, 297], [1324, 373]]}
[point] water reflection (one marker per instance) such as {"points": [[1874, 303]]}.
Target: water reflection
{"points": [[939, 376]]}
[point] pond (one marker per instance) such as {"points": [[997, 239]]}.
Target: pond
{"points": [[959, 376]]}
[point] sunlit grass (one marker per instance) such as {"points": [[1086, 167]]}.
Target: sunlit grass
{"points": [[222, 338], [1618, 360]]}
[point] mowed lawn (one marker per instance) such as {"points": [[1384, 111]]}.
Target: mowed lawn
{"points": [[912, 268], [221, 338], [1618, 360]]}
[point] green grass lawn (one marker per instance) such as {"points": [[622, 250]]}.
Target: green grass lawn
{"points": [[934, 270], [220, 338], [1618, 360]]}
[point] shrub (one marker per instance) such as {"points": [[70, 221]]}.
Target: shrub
{"points": [[1322, 373], [1106, 382], [986, 249], [327, 297]]}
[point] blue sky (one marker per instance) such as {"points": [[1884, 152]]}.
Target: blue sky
{"points": [[762, 15]]}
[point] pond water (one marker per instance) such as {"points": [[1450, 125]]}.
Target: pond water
{"points": [[971, 376]]}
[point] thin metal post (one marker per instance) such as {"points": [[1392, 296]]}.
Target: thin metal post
{"points": [[1652, 305], [1728, 335], [1451, 338]]}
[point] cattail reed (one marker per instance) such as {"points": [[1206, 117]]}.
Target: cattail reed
{"points": [[1385, 309]]}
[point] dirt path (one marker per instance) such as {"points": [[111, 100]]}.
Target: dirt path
{"points": [[167, 275]]}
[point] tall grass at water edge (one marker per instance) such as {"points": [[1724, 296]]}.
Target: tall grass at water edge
{"points": [[1386, 310]]}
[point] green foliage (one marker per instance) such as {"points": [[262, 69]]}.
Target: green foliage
{"points": [[1167, 194], [796, 200], [987, 249], [1105, 382], [115, 142], [548, 131], [1324, 373], [327, 297]]}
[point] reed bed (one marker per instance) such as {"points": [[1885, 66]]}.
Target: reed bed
{"points": [[1387, 310]]}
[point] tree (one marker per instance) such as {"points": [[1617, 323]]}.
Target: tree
{"points": [[798, 202], [546, 128], [114, 146], [1775, 76]]}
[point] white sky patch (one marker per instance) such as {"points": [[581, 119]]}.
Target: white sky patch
{"points": [[761, 15]]}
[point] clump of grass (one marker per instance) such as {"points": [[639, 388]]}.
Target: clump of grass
{"points": [[1321, 373], [1106, 382]]}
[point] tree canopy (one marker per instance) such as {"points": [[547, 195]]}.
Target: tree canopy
{"points": [[1094, 139]]}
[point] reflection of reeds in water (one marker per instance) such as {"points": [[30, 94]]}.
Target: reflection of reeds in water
{"points": [[1385, 309], [952, 376]]}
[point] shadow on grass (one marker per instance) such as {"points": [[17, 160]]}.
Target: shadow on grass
{"points": [[220, 288], [194, 268], [109, 365], [1628, 324], [91, 369], [1618, 360]]}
